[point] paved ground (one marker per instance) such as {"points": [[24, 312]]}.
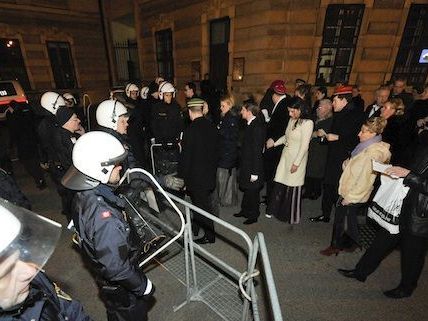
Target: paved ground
{"points": [[308, 285]]}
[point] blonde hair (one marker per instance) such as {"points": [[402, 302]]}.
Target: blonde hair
{"points": [[228, 98], [376, 124], [397, 105]]}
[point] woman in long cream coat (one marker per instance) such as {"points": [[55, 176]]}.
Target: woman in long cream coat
{"points": [[285, 199]]}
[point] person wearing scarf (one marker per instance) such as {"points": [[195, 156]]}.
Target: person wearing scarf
{"points": [[356, 185]]}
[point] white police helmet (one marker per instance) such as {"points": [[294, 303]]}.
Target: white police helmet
{"points": [[51, 101], [144, 92], [95, 154], [25, 236], [166, 87], [70, 99], [131, 87], [108, 113]]}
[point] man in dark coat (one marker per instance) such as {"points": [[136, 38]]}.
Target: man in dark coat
{"points": [[68, 132], [251, 172], [198, 167], [342, 139], [399, 91], [276, 125], [317, 154], [381, 96]]}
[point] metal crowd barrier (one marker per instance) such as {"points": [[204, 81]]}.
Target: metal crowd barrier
{"points": [[198, 289]]}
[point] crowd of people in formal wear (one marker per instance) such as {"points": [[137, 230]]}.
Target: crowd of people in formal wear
{"points": [[289, 147]]}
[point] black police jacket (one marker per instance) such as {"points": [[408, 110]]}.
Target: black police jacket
{"points": [[63, 145], [166, 122], [45, 302], [47, 130], [106, 238], [414, 212]]}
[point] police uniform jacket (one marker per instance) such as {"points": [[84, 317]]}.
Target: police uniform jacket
{"points": [[252, 154], [64, 142], [199, 156], [166, 122], [47, 130], [45, 302], [106, 238]]}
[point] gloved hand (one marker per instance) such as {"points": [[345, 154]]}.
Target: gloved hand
{"points": [[173, 182]]}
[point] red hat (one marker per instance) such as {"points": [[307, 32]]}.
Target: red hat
{"points": [[343, 90], [278, 87]]}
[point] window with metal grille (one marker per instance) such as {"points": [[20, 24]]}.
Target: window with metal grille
{"points": [[164, 56], [340, 35], [408, 64], [62, 64], [12, 65]]}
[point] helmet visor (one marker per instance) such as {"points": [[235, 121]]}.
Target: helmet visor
{"points": [[34, 238]]}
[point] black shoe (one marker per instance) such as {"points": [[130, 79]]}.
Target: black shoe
{"points": [[320, 218], [398, 293], [240, 214], [204, 240], [249, 221], [351, 274]]}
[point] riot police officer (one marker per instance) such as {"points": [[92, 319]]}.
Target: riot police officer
{"points": [[27, 241], [103, 227]]}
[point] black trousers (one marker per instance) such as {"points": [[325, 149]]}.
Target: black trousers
{"points": [[202, 199], [382, 245], [413, 252], [124, 305], [313, 187], [345, 227], [329, 199], [250, 205], [271, 160]]}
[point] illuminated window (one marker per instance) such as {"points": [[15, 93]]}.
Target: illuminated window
{"points": [[409, 63], [340, 35]]}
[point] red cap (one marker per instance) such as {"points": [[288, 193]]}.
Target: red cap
{"points": [[343, 90], [278, 87]]}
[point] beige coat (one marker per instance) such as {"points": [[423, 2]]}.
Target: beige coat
{"points": [[296, 145], [356, 182]]}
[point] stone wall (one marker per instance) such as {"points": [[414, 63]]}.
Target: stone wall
{"points": [[277, 38], [78, 22]]}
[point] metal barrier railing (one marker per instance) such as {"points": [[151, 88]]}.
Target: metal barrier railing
{"points": [[244, 280]]}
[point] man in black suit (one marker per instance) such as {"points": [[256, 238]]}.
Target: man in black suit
{"points": [[276, 125], [251, 171], [381, 95], [198, 166], [342, 139]]}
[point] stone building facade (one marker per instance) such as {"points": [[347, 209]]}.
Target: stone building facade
{"points": [[61, 43], [278, 39]]}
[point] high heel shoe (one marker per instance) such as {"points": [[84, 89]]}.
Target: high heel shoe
{"points": [[330, 251]]}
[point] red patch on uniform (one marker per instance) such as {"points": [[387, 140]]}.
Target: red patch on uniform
{"points": [[106, 214]]}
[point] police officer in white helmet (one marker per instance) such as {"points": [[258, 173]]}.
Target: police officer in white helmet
{"points": [[27, 240], [103, 229]]}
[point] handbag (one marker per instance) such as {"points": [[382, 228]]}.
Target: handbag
{"points": [[386, 205]]}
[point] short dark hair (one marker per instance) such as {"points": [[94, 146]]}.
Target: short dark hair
{"points": [[251, 106], [322, 90], [192, 86]]}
